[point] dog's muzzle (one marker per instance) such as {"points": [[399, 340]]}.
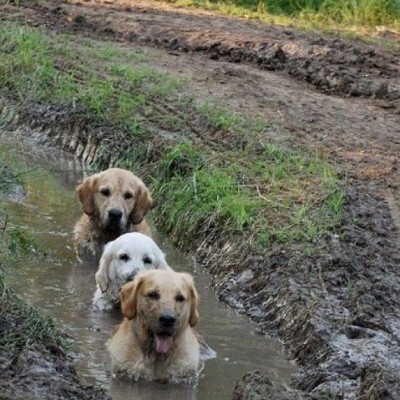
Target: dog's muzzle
{"points": [[167, 320], [114, 218]]}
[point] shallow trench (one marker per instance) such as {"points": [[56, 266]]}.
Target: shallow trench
{"points": [[62, 289]]}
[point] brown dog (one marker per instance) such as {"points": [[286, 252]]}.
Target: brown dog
{"points": [[156, 342], [114, 202]]}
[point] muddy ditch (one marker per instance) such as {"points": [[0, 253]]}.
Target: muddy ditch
{"points": [[330, 64], [334, 302]]}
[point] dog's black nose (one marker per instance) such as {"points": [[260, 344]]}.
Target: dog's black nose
{"points": [[115, 214], [167, 320]]}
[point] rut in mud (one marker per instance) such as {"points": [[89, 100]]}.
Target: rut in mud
{"points": [[331, 65], [335, 302]]}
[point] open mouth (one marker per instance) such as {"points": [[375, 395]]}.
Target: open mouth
{"points": [[163, 342]]}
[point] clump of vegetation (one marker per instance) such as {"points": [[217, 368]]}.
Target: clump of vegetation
{"points": [[36, 67], [274, 195], [21, 326], [322, 13]]}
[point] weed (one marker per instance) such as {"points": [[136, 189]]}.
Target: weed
{"points": [[20, 241]]}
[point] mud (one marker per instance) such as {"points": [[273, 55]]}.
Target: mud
{"points": [[39, 373], [336, 306], [335, 302], [330, 64], [256, 386]]}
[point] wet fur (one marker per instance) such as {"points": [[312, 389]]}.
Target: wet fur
{"points": [[92, 230], [121, 260], [132, 347]]}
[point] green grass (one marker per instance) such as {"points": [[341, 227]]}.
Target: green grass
{"points": [[325, 14], [274, 195], [208, 167], [21, 326], [45, 68]]}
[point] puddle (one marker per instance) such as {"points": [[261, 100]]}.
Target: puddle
{"points": [[64, 290]]}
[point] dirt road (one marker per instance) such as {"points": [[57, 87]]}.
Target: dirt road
{"points": [[337, 309]]}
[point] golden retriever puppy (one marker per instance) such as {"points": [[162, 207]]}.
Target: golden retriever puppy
{"points": [[114, 202], [122, 259], [156, 340]]}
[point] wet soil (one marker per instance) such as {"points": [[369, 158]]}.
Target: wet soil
{"points": [[334, 303]]}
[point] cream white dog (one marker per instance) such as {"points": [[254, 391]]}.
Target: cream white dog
{"points": [[121, 260]]}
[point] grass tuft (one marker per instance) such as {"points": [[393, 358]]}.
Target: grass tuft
{"points": [[324, 14], [272, 196], [36, 67], [21, 326]]}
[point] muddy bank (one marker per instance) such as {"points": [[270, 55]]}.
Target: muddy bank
{"points": [[33, 354], [333, 301], [330, 64], [256, 386]]}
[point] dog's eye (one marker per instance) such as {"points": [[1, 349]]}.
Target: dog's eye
{"points": [[180, 298], [128, 195], [124, 257], [105, 192], [153, 295], [147, 260]]}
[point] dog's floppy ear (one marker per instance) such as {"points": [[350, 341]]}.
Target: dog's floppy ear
{"points": [[162, 263], [194, 299], [128, 296], [86, 195], [143, 204], [101, 276]]}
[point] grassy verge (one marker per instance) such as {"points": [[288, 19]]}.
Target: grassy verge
{"points": [[343, 15], [21, 326], [268, 195], [212, 170]]}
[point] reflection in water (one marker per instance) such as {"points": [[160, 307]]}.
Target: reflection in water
{"points": [[149, 391], [64, 290]]}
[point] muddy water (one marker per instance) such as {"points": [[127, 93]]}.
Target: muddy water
{"points": [[63, 289]]}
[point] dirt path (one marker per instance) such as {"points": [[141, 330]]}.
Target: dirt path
{"points": [[340, 97]]}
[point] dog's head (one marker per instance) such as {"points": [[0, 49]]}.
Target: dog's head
{"points": [[124, 257], [165, 304], [115, 198]]}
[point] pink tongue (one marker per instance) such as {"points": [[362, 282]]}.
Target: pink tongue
{"points": [[163, 343]]}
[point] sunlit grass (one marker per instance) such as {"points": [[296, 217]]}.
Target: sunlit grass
{"points": [[35, 67], [342, 15], [274, 195]]}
